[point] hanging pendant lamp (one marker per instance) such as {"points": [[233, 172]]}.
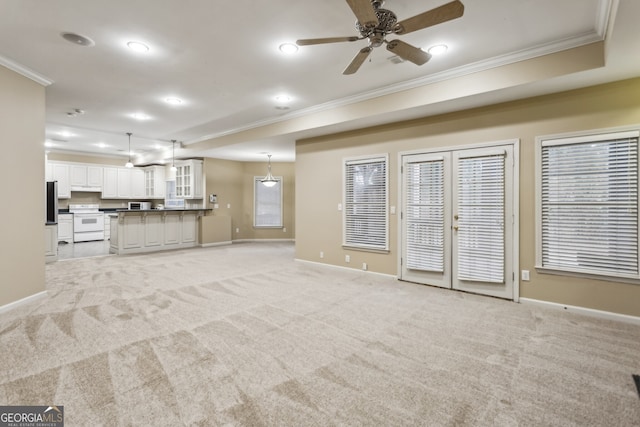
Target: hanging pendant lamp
{"points": [[269, 180], [173, 156], [129, 164]]}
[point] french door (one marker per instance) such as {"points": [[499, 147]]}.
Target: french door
{"points": [[457, 220]]}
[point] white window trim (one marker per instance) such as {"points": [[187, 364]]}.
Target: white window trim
{"points": [[256, 181], [365, 159], [568, 138]]}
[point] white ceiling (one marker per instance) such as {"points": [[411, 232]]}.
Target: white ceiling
{"points": [[222, 59]]}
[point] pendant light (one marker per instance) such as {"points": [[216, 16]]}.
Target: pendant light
{"points": [[129, 164], [173, 156], [269, 180]]}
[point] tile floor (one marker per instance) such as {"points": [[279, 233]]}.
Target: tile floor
{"points": [[83, 249]]}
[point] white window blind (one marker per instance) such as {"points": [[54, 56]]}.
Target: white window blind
{"points": [[267, 204], [425, 215], [365, 207], [481, 211], [590, 205]]}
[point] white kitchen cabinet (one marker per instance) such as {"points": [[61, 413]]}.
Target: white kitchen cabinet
{"points": [[137, 183], [107, 227], [78, 175], [154, 182], [50, 243], [189, 179], [124, 183], [110, 183], [133, 236], [61, 174], [153, 235], [65, 228], [94, 176], [189, 227], [172, 235]]}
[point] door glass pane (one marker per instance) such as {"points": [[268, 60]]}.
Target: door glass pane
{"points": [[425, 215], [481, 211]]}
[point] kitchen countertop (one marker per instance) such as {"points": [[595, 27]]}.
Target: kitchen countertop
{"points": [[162, 210]]}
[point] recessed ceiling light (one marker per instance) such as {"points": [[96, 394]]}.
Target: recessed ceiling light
{"points": [[140, 116], [102, 145], [138, 47], [65, 134], [173, 100], [288, 48], [438, 49], [283, 99], [77, 39], [49, 144]]}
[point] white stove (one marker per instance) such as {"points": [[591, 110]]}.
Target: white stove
{"points": [[88, 222]]}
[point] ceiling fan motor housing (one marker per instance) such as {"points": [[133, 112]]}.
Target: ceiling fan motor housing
{"points": [[387, 21]]}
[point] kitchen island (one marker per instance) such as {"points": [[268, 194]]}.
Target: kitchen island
{"points": [[149, 230]]}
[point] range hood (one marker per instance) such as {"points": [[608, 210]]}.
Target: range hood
{"points": [[86, 188]]}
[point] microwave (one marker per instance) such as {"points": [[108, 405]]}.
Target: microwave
{"points": [[139, 206]]}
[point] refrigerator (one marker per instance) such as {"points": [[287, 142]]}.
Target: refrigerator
{"points": [[51, 192]]}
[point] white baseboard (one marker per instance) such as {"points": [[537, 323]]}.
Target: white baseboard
{"points": [[31, 298], [340, 267], [209, 245], [583, 310]]}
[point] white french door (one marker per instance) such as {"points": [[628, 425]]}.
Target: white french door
{"points": [[457, 228]]}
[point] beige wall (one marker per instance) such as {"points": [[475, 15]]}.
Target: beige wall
{"points": [[319, 223], [22, 271], [232, 183]]}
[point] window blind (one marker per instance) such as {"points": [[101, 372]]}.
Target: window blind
{"points": [[590, 206], [481, 211], [365, 207], [425, 215], [267, 204]]}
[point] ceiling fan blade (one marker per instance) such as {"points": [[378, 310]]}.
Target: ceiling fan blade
{"points": [[441, 14], [306, 42], [364, 11], [358, 60], [408, 52]]}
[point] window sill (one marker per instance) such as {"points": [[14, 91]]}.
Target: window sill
{"points": [[622, 278], [362, 249]]}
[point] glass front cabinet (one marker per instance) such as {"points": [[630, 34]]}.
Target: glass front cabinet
{"points": [[189, 179]]}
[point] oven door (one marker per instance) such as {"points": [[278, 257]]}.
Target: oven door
{"points": [[88, 222]]}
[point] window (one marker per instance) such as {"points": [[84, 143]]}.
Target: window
{"points": [[588, 219], [267, 204], [365, 203]]}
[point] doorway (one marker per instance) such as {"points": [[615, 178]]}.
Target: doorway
{"points": [[458, 220]]}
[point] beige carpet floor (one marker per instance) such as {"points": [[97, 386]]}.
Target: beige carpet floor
{"points": [[245, 335]]}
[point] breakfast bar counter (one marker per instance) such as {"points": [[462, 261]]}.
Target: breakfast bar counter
{"points": [[149, 230]]}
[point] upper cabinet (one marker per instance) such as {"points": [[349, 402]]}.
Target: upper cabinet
{"points": [[154, 182], [110, 183], [189, 179], [60, 172], [85, 176]]}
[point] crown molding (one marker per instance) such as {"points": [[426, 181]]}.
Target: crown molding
{"points": [[25, 71]]}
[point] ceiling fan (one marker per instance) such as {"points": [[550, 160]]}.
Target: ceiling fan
{"points": [[374, 23]]}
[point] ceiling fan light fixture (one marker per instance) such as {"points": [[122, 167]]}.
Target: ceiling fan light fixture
{"points": [[438, 49], [78, 39], [269, 180]]}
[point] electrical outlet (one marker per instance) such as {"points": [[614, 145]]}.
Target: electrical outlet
{"points": [[525, 275], [339, 206], [228, 205], [237, 230], [321, 254], [347, 258], [393, 210], [364, 266], [284, 229]]}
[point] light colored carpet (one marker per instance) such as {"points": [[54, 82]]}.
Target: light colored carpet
{"points": [[245, 335]]}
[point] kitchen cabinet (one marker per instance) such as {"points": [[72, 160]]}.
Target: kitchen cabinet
{"points": [[61, 174], [154, 182], [189, 179], [50, 243], [189, 227], [85, 176], [65, 228], [110, 183], [137, 183], [94, 176], [124, 183], [107, 227], [133, 238], [153, 230]]}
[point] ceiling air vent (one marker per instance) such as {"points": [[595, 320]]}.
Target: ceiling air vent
{"points": [[396, 59]]}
